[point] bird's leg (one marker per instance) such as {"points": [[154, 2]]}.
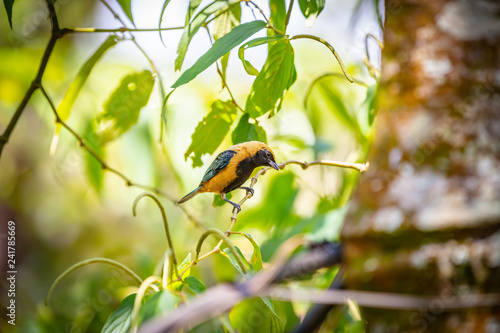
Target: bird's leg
{"points": [[223, 196], [248, 189]]}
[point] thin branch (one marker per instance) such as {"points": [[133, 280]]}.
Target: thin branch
{"points": [[375, 73], [56, 33], [325, 75], [373, 299], [324, 42], [165, 225], [124, 268], [105, 166]]}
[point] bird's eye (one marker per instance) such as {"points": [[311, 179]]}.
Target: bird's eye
{"points": [[268, 154]]}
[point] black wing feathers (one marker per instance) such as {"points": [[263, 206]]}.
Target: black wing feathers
{"points": [[220, 162]]}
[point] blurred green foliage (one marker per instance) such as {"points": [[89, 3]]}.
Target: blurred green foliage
{"points": [[69, 208]]}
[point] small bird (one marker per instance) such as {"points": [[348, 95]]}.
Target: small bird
{"points": [[232, 168]]}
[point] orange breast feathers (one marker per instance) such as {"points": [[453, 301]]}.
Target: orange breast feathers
{"points": [[226, 176]]}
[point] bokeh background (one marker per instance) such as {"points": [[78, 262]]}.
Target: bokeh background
{"points": [[62, 219]]}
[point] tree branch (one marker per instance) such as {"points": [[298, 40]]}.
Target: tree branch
{"points": [[56, 33]]}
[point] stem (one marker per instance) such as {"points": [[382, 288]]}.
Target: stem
{"points": [[138, 299], [105, 165], [88, 262], [223, 238], [56, 33], [165, 224], [324, 42]]}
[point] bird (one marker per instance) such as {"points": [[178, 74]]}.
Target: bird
{"points": [[231, 169]]}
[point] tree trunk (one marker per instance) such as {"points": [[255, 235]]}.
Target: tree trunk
{"points": [[425, 219]]}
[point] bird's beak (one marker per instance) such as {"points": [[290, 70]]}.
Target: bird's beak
{"points": [[274, 165]]}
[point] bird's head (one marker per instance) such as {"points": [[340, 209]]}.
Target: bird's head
{"points": [[262, 154]]}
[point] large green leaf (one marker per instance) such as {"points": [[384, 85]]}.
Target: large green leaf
{"points": [[127, 8], [254, 315], [278, 14], [211, 131], [195, 25], [246, 131], [8, 4], [122, 109], [71, 94], [254, 42], [220, 47], [119, 320], [311, 9], [157, 304], [276, 77]]}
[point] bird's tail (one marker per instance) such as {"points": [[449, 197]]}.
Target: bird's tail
{"points": [[189, 195]]}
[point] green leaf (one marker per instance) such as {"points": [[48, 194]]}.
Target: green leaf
{"points": [[278, 14], [254, 42], [8, 4], [369, 103], [195, 25], [246, 131], [276, 77], [71, 94], [231, 256], [256, 256], [157, 304], [122, 109], [194, 284], [211, 131], [127, 8], [165, 4], [119, 320], [95, 172], [226, 21], [311, 9], [254, 315], [193, 5], [218, 202], [220, 47]]}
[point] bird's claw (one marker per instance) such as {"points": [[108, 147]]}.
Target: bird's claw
{"points": [[237, 207]]}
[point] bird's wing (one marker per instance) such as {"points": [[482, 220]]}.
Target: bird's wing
{"points": [[220, 162]]}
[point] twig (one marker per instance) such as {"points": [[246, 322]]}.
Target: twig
{"points": [[325, 75], [324, 42], [105, 166], [124, 268], [165, 225], [381, 300], [375, 73], [56, 33]]}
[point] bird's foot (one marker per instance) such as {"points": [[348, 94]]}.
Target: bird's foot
{"points": [[248, 189], [237, 207]]}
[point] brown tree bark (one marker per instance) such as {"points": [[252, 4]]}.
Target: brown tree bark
{"points": [[425, 219]]}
